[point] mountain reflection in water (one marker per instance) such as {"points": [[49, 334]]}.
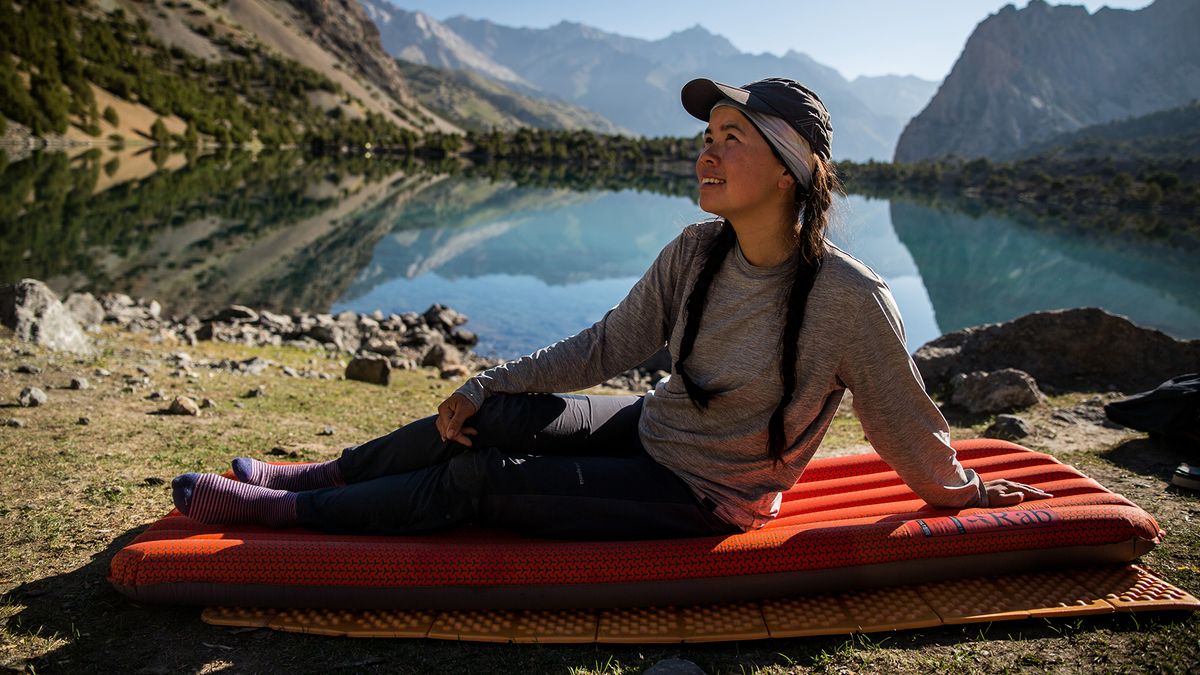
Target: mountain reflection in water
{"points": [[530, 259]]}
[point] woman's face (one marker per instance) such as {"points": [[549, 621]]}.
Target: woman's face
{"points": [[740, 178]]}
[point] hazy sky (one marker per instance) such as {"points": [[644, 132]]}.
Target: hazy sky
{"points": [[857, 37]]}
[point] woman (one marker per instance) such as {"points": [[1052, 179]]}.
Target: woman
{"points": [[767, 324]]}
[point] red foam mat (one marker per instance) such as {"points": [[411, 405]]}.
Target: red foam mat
{"points": [[849, 523]]}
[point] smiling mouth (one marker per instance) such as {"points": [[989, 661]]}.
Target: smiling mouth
{"points": [[711, 181]]}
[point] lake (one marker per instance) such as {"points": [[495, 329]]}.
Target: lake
{"points": [[529, 261]]}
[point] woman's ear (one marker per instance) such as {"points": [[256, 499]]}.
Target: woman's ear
{"points": [[785, 181]]}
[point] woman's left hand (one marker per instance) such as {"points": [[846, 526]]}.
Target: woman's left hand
{"points": [[1004, 492]]}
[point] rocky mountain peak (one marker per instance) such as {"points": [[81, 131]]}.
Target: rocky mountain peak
{"points": [[343, 28], [1027, 75], [419, 38]]}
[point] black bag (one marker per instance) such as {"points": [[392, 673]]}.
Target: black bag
{"points": [[1170, 411]]}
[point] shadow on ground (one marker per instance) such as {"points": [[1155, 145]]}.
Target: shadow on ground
{"points": [[1150, 458]]}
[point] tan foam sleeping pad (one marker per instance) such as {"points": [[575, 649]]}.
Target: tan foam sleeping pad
{"points": [[1058, 593]]}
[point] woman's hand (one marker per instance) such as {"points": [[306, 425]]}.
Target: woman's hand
{"points": [[1004, 492], [452, 414]]}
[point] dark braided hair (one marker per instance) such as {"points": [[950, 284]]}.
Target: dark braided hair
{"points": [[811, 215]]}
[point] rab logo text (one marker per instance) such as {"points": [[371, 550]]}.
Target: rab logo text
{"points": [[982, 522]]}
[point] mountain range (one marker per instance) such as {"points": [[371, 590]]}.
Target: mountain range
{"points": [[1026, 76], [288, 72], [635, 83]]}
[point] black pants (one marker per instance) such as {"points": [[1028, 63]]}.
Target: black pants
{"points": [[545, 465]]}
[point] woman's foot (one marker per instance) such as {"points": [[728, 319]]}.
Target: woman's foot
{"points": [[213, 499], [292, 477]]}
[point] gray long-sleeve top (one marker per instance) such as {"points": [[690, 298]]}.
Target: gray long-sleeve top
{"points": [[852, 337]]}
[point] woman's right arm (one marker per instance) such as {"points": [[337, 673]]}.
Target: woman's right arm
{"points": [[627, 335]]}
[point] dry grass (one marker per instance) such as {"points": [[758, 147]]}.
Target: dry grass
{"points": [[72, 494]]}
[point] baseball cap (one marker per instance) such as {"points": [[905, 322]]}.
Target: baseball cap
{"points": [[784, 98]]}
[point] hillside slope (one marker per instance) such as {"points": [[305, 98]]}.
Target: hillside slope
{"points": [[477, 103], [246, 71], [1167, 134]]}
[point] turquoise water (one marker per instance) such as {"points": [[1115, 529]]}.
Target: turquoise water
{"points": [[528, 265], [531, 277]]}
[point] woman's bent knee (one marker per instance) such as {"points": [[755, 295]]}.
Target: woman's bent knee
{"points": [[513, 421]]}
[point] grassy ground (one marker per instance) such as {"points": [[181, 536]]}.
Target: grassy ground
{"points": [[73, 494]]}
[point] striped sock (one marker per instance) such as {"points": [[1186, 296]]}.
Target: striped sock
{"points": [[214, 499], [291, 477]]}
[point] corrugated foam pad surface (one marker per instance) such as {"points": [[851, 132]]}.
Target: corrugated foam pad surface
{"points": [[1077, 592]]}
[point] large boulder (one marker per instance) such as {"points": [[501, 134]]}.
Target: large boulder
{"points": [[86, 309], [441, 356], [34, 314], [370, 368], [1001, 391], [1085, 349]]}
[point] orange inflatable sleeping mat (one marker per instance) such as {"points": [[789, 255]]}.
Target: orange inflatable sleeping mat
{"points": [[850, 522]]}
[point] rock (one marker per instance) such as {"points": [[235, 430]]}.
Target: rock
{"points": [[441, 356], [455, 372], [181, 359], [254, 366], [83, 421], [32, 397], [156, 395], [35, 315], [1063, 418], [235, 314], [401, 363], [153, 481], [442, 318], [280, 324], [290, 371], [86, 310], [1071, 350], [257, 392], [369, 368], [1008, 428], [343, 337], [208, 403], [325, 431], [462, 336], [15, 423], [121, 309], [101, 372], [27, 369], [79, 383], [1001, 391], [182, 405], [422, 336], [380, 346]]}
